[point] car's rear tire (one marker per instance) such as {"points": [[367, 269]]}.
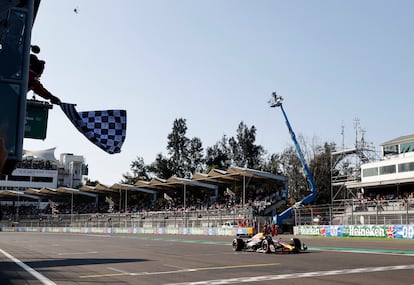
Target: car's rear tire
{"points": [[266, 246], [297, 244], [238, 244]]}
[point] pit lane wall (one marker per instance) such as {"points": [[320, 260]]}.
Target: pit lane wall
{"points": [[155, 231], [371, 231]]}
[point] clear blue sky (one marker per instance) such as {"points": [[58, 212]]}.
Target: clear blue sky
{"points": [[215, 63]]}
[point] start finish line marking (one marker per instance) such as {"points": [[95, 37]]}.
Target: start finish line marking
{"points": [[297, 275], [124, 273]]}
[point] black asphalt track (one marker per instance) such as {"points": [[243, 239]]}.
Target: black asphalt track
{"points": [[49, 258]]}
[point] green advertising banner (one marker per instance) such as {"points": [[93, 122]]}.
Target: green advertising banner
{"points": [[366, 231], [36, 119]]}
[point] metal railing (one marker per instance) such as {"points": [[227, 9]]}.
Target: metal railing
{"points": [[195, 218], [345, 212], [357, 212]]}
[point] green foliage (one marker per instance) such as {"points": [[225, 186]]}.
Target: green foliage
{"points": [[177, 147], [273, 164], [161, 167], [292, 168], [321, 170], [139, 172], [186, 157], [219, 155], [93, 183], [245, 153], [195, 159]]}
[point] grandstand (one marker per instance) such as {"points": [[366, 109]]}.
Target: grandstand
{"points": [[393, 175], [38, 179], [382, 190], [229, 194]]}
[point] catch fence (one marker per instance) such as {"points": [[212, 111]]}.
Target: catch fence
{"points": [[356, 212], [155, 219], [345, 212]]}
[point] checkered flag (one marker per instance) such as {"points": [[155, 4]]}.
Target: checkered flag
{"points": [[106, 129]]}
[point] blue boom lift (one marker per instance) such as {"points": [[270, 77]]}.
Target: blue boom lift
{"points": [[276, 101]]}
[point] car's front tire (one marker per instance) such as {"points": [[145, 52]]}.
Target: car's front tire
{"points": [[238, 244]]}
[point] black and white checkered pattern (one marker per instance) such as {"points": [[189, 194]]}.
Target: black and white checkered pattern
{"points": [[106, 129]]}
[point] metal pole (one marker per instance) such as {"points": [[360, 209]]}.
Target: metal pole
{"points": [[311, 210], [406, 214], [120, 200], [71, 210], [352, 213], [185, 196], [331, 176], [244, 191], [17, 208], [330, 214], [296, 217], [126, 200]]}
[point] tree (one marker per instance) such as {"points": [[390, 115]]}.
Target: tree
{"points": [[245, 152], [273, 164], [195, 156], [161, 167], [177, 147], [318, 158], [139, 172], [321, 169], [89, 182], [293, 170], [218, 155]]}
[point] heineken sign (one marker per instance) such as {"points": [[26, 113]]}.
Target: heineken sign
{"points": [[367, 231], [372, 231]]}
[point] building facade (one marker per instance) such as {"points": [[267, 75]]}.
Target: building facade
{"points": [[395, 169], [40, 169]]}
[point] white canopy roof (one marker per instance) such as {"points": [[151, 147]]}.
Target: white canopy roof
{"points": [[46, 154]]}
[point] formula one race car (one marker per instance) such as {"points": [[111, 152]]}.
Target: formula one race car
{"points": [[266, 244]]}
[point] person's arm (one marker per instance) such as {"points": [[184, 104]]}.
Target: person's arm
{"points": [[37, 87]]}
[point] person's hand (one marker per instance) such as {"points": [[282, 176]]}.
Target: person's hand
{"points": [[55, 100], [3, 154]]}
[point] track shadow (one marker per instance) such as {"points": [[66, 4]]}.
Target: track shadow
{"points": [[11, 273], [80, 261]]}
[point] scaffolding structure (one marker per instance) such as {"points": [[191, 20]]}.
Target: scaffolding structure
{"points": [[346, 165]]}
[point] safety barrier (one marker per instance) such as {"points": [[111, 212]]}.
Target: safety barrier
{"points": [[155, 231], [371, 231]]}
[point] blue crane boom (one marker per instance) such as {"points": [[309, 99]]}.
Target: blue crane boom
{"points": [[276, 101]]}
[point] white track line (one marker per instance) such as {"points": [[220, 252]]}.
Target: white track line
{"points": [[37, 275], [77, 253], [256, 279], [119, 270]]}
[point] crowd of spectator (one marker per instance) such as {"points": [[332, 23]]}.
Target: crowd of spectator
{"points": [[10, 211], [36, 164], [376, 201], [226, 201]]}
